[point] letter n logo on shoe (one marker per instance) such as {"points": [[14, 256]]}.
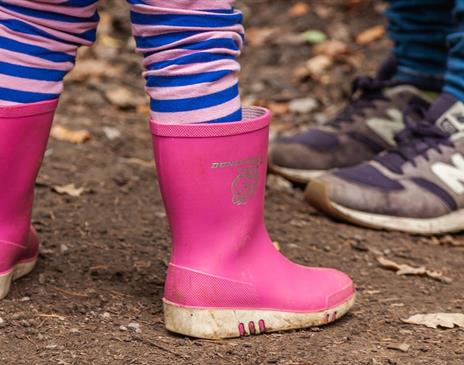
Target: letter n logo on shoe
{"points": [[451, 175]]}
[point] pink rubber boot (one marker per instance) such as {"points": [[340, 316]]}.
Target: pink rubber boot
{"points": [[226, 278], [24, 133]]}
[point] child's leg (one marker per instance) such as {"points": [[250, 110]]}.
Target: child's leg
{"points": [[38, 44], [191, 49], [454, 78], [419, 30], [225, 277]]}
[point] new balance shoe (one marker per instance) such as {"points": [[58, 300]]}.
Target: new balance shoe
{"points": [[363, 129], [417, 187]]}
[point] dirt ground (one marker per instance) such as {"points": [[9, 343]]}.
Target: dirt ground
{"points": [[95, 297]]}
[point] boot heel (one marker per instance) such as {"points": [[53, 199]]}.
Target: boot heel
{"points": [[214, 324], [21, 269]]}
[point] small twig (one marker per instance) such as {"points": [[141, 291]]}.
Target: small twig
{"points": [[61, 318], [35, 345], [69, 293], [158, 346]]}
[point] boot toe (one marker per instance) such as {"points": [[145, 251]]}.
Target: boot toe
{"points": [[341, 290]]}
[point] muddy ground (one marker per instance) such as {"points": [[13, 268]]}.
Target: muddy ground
{"points": [[95, 297]]}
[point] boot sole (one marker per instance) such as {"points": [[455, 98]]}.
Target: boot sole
{"points": [[317, 195], [214, 324], [296, 175], [19, 270]]}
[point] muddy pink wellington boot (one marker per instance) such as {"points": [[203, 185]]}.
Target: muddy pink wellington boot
{"points": [[226, 278], [24, 133]]}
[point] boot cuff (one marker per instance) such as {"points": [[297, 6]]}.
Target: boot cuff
{"points": [[254, 118], [28, 110]]}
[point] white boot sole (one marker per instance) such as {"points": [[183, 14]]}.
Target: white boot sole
{"points": [[19, 270], [216, 324], [317, 195]]}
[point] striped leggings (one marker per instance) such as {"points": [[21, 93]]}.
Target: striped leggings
{"points": [[190, 50]]}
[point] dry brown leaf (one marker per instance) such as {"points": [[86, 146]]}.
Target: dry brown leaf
{"points": [[370, 35], [331, 48], [300, 73], [109, 41], [303, 105], [403, 347], [299, 9], [435, 320], [317, 66], [259, 36], [276, 245], [277, 108], [138, 161], [92, 68], [63, 134], [451, 241], [143, 108], [404, 269], [122, 98], [323, 12], [69, 189]]}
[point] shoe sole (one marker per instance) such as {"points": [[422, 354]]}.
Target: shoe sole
{"points": [[317, 195], [215, 324], [295, 175], [21, 269]]}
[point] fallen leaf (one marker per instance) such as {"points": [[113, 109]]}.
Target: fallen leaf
{"points": [[122, 97], [111, 133], [277, 108], [259, 36], [144, 109], [138, 161], [435, 320], [92, 68], [63, 134], [331, 48], [276, 245], [299, 9], [317, 66], [69, 189], [300, 73], [323, 11], [451, 241], [314, 36], [370, 35], [404, 269], [303, 106], [109, 41], [403, 347]]}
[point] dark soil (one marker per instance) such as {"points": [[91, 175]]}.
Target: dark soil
{"points": [[104, 254]]}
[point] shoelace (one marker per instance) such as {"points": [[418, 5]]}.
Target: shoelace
{"points": [[416, 139], [369, 90]]}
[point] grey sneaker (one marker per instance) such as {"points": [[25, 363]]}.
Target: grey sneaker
{"points": [[362, 130], [417, 187]]}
